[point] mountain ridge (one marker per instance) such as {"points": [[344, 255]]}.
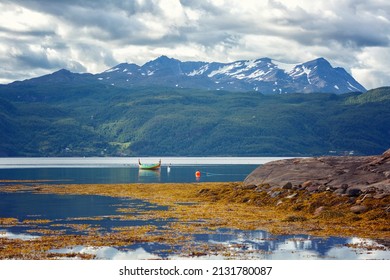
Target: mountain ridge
{"points": [[264, 75]]}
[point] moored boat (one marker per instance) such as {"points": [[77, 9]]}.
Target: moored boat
{"points": [[149, 166]]}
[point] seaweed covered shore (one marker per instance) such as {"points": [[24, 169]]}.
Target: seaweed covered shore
{"points": [[199, 207]]}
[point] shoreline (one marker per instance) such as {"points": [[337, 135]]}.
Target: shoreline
{"points": [[90, 162], [197, 207]]}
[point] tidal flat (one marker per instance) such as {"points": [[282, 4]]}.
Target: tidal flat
{"points": [[182, 210]]}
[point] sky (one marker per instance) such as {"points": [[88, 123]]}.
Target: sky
{"points": [[38, 37]]}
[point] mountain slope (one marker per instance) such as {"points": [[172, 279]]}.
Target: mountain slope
{"points": [[373, 96], [104, 120]]}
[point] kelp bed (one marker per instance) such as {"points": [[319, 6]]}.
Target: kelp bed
{"points": [[198, 208]]}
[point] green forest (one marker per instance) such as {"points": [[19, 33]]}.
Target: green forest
{"points": [[92, 119]]}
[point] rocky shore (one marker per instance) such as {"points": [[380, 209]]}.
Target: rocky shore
{"points": [[343, 175]]}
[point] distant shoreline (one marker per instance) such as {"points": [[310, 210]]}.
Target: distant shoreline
{"points": [[58, 162]]}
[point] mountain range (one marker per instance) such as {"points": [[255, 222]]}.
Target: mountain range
{"points": [[262, 75], [171, 108], [67, 118]]}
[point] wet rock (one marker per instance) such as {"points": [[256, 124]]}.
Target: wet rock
{"points": [[353, 192], [287, 186], [359, 209], [370, 190], [339, 191], [275, 194], [291, 195], [249, 187], [380, 195], [301, 188], [307, 184], [331, 188], [312, 189], [322, 188]]}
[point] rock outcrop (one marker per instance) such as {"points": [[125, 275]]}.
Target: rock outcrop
{"points": [[344, 175]]}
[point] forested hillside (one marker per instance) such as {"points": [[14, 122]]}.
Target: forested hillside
{"points": [[93, 119]]}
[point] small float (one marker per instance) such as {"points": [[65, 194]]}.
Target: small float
{"points": [[149, 166]]}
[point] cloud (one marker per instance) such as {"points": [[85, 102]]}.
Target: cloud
{"points": [[372, 68], [95, 35]]}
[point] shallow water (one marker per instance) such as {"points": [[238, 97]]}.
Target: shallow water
{"points": [[102, 213], [66, 211]]}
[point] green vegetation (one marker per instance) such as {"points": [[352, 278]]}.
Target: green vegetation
{"points": [[372, 96], [91, 119]]}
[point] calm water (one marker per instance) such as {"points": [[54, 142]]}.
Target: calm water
{"points": [[66, 211], [130, 174], [125, 170]]}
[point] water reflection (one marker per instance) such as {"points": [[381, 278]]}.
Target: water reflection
{"points": [[109, 253], [263, 245], [9, 235], [246, 245], [149, 176], [130, 174], [63, 212]]}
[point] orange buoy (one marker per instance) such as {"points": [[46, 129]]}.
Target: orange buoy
{"points": [[197, 174]]}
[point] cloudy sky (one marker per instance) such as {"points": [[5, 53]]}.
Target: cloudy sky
{"points": [[41, 36]]}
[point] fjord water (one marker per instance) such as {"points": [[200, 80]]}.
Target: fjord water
{"points": [[65, 210], [125, 170]]}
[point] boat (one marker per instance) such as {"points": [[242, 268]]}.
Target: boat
{"points": [[149, 166]]}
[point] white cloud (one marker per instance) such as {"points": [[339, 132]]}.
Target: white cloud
{"points": [[372, 67]]}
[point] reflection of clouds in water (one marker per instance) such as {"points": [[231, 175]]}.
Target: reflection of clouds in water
{"points": [[294, 249], [109, 253], [262, 245], [359, 253], [353, 254], [10, 235], [286, 250], [244, 245]]}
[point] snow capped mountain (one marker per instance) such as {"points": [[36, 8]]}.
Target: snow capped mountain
{"points": [[263, 75]]}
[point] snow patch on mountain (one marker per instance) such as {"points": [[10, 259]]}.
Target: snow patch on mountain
{"points": [[286, 67], [199, 71], [112, 70]]}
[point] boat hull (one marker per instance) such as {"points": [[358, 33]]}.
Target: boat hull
{"points": [[149, 166]]}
